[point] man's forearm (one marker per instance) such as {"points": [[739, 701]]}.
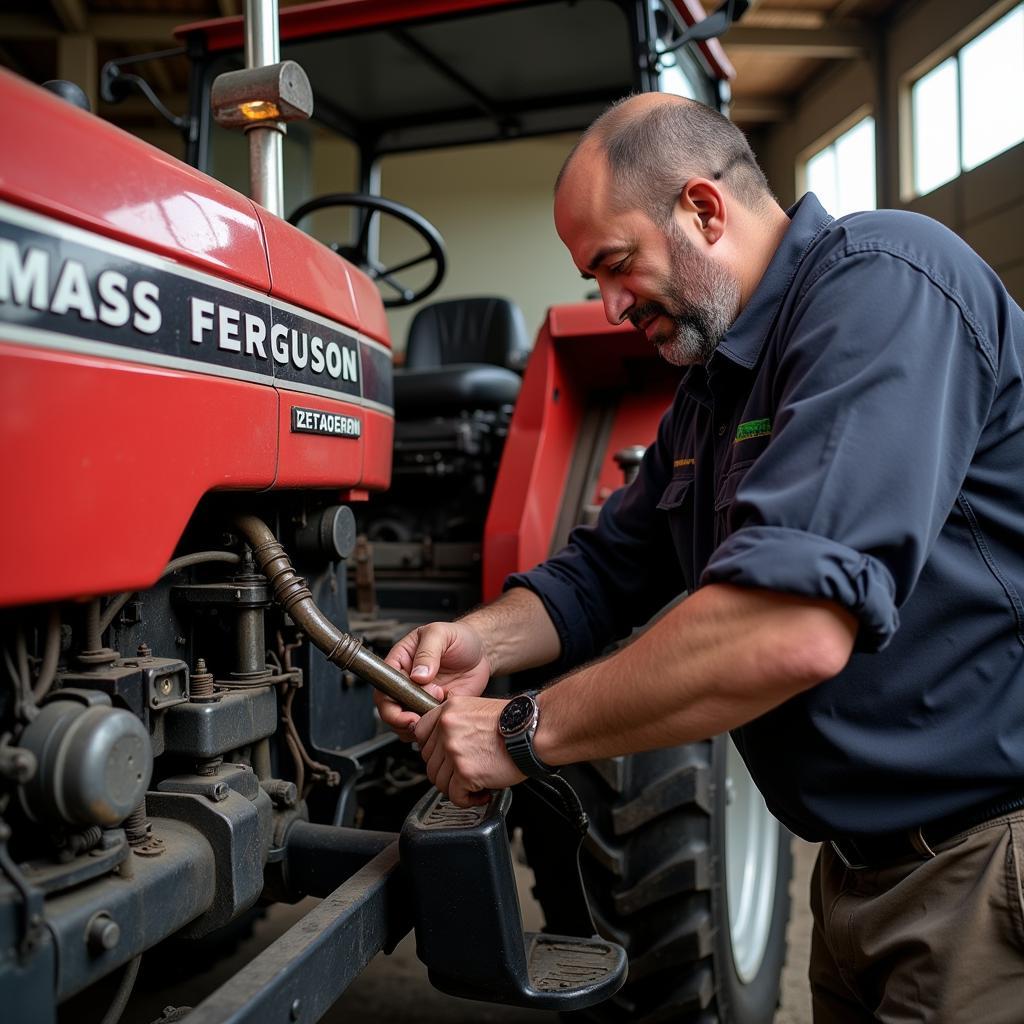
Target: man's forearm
{"points": [[517, 632], [719, 659]]}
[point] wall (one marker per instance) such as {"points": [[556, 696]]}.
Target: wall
{"points": [[985, 206], [492, 205]]}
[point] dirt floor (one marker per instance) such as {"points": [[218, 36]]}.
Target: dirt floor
{"points": [[395, 990]]}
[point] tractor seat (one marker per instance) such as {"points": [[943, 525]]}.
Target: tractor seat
{"points": [[462, 354]]}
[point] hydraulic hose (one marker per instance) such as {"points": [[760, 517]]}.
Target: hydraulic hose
{"points": [[342, 649]]}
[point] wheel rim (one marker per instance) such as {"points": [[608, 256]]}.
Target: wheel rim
{"points": [[751, 867]]}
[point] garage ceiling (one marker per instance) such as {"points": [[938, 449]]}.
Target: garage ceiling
{"points": [[778, 49]]}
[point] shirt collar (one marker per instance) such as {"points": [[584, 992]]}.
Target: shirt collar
{"points": [[745, 339]]}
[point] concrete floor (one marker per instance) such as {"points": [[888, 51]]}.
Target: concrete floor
{"points": [[395, 990]]}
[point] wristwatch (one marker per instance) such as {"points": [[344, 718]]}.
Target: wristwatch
{"points": [[517, 726]]}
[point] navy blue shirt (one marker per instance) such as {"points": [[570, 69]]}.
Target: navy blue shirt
{"points": [[857, 436]]}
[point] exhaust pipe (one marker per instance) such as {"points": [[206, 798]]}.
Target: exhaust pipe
{"points": [[342, 649]]}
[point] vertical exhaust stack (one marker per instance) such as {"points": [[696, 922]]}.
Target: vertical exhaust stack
{"points": [[262, 49], [261, 100]]}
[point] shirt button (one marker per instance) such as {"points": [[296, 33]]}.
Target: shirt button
{"points": [[721, 430]]}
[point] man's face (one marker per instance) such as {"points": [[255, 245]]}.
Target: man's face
{"points": [[692, 308], [651, 275]]}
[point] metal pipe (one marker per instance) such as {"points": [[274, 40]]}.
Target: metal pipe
{"points": [[262, 47], [342, 649], [319, 858]]}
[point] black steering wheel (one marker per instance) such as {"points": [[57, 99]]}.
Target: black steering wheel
{"points": [[358, 253]]}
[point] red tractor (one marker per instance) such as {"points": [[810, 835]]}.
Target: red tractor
{"points": [[197, 405]]}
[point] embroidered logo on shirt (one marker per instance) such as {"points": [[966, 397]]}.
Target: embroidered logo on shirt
{"points": [[679, 463], [753, 428]]}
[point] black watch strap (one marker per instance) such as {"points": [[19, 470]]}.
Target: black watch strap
{"points": [[519, 743], [520, 749]]}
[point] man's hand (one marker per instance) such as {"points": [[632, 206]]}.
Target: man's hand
{"points": [[465, 756], [445, 658]]}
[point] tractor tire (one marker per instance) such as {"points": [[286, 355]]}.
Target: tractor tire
{"points": [[687, 870]]}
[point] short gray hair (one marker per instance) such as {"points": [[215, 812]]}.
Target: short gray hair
{"points": [[651, 154]]}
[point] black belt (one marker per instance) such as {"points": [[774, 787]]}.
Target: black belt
{"points": [[891, 847]]}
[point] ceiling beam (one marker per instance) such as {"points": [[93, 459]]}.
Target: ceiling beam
{"points": [[14, 27], [830, 42], [71, 14], [759, 110], [112, 28], [844, 9], [148, 28], [138, 108]]}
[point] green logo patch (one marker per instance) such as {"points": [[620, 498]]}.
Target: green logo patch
{"points": [[753, 428]]}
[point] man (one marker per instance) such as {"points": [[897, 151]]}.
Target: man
{"points": [[838, 485]]}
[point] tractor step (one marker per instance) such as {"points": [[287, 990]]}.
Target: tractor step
{"points": [[469, 928]]}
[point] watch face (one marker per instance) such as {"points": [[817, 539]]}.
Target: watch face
{"points": [[516, 716]]}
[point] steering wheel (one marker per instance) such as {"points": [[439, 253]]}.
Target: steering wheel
{"points": [[358, 254]]}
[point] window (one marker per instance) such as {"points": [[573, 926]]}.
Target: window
{"points": [[968, 109], [842, 175]]}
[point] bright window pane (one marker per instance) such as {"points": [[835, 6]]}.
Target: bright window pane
{"points": [[935, 115], [821, 177], [842, 175], [855, 162], [675, 80], [992, 81]]}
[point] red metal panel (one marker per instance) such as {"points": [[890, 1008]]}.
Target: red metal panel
{"points": [[373, 320], [312, 460], [577, 352], [636, 422], [583, 318], [334, 16], [378, 442], [534, 467], [691, 12], [79, 168], [312, 276], [104, 461]]}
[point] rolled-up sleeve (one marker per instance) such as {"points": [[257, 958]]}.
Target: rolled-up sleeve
{"points": [[614, 575], [883, 386]]}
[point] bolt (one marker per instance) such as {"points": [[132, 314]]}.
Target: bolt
{"points": [[282, 792], [143, 650], [17, 763], [165, 686], [296, 1010], [102, 933], [220, 791], [202, 683], [730, 791]]}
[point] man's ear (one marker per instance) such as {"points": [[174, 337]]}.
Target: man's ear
{"points": [[702, 203]]}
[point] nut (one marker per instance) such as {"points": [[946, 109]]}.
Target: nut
{"points": [[102, 933]]}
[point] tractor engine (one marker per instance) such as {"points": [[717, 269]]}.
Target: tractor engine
{"points": [[200, 691]]}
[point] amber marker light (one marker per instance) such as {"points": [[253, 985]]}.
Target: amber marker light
{"points": [[259, 110]]}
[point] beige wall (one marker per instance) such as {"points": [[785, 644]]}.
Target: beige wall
{"points": [[985, 205], [492, 205]]}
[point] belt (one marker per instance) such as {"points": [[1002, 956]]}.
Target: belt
{"points": [[864, 851]]}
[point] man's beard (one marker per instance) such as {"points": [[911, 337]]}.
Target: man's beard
{"points": [[697, 325]]}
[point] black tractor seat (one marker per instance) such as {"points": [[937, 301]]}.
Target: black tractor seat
{"points": [[458, 331], [449, 389], [462, 354]]}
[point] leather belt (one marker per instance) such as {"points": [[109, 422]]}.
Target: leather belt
{"points": [[866, 851]]}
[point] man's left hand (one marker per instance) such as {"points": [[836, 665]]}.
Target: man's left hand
{"points": [[465, 756]]}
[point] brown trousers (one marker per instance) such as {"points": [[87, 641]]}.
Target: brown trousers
{"points": [[937, 939]]}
